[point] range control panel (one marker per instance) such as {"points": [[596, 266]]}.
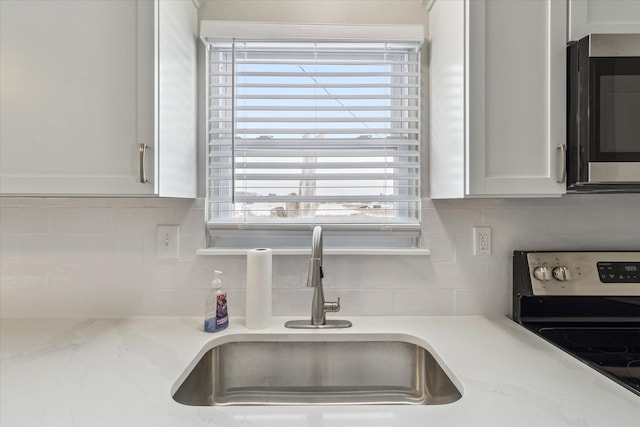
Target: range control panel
{"points": [[585, 273], [619, 272]]}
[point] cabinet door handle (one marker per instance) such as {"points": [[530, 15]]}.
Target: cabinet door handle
{"points": [[143, 154], [562, 176]]}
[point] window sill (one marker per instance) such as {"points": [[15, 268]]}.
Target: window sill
{"points": [[307, 252]]}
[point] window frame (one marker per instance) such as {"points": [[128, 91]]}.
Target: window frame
{"points": [[376, 234]]}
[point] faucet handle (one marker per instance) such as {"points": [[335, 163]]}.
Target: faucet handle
{"points": [[332, 306]]}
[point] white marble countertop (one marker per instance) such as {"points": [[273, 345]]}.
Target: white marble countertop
{"points": [[120, 372]]}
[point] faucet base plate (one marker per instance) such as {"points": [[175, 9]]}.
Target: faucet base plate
{"points": [[306, 324]]}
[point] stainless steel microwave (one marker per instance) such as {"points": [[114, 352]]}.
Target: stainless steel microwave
{"points": [[603, 113]]}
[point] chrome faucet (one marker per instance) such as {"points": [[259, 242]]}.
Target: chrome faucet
{"points": [[319, 307]]}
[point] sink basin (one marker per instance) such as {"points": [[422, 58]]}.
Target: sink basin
{"points": [[324, 371]]}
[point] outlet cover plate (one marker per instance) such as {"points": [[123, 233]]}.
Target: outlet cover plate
{"points": [[482, 240]]}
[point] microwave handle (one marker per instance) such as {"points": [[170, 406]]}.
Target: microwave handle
{"points": [[562, 175]]}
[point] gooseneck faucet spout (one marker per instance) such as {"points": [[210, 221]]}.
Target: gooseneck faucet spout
{"points": [[319, 307]]}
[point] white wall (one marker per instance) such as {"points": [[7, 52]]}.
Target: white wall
{"points": [[96, 257], [316, 11]]}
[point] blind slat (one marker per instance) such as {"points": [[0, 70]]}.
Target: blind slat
{"points": [[318, 86], [310, 74], [241, 119], [320, 199], [283, 96], [317, 62], [322, 144], [336, 131], [317, 177], [316, 165], [313, 153], [389, 108]]}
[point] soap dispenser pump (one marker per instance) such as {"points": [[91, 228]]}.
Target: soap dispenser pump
{"points": [[216, 317]]}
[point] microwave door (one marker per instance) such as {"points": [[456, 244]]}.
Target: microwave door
{"points": [[615, 140]]}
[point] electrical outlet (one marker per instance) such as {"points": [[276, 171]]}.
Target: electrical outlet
{"points": [[482, 240], [167, 241]]}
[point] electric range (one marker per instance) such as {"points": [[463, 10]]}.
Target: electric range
{"points": [[586, 303]]}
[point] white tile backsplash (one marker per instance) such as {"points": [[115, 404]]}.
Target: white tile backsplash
{"points": [[96, 257], [416, 302]]}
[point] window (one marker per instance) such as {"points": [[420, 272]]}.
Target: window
{"points": [[313, 132]]}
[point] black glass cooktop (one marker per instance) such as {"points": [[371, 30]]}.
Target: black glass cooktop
{"points": [[615, 352]]}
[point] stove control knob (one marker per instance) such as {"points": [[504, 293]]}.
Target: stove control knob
{"points": [[561, 274], [542, 273]]}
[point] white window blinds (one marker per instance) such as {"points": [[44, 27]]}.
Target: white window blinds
{"points": [[313, 132]]}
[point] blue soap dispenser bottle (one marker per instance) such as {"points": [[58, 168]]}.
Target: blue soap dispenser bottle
{"points": [[216, 317]]}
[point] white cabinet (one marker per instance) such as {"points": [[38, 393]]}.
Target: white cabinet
{"points": [[603, 16], [497, 98], [85, 84]]}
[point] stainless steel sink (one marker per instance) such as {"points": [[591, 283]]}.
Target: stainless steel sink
{"points": [[318, 372]]}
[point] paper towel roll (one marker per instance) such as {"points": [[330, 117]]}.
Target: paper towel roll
{"points": [[258, 288]]}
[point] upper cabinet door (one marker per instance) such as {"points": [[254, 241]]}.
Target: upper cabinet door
{"points": [[72, 98], [80, 97], [497, 99], [603, 16], [516, 97]]}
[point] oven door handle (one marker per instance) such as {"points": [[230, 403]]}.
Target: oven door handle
{"points": [[562, 174]]}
